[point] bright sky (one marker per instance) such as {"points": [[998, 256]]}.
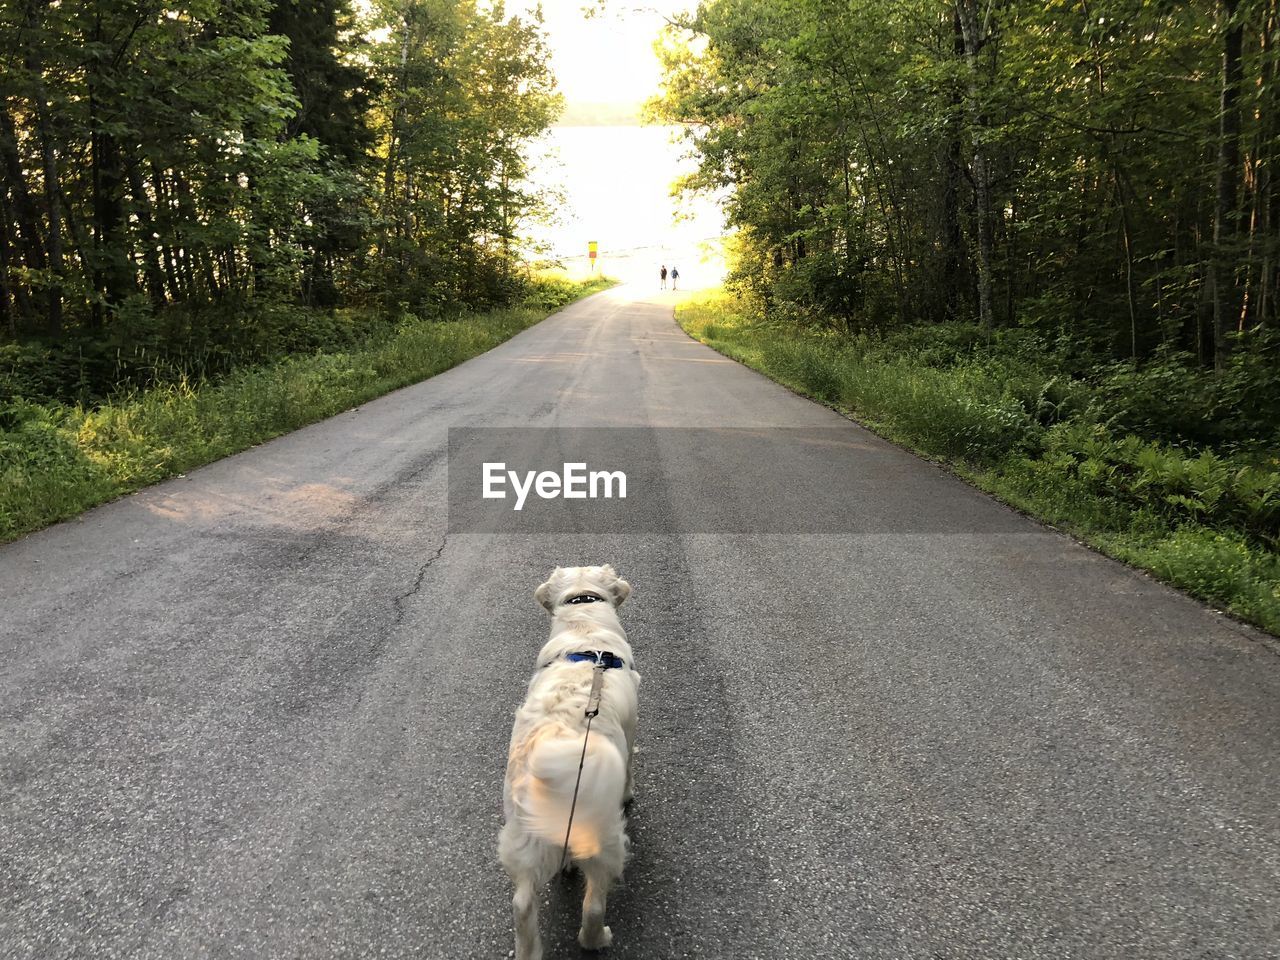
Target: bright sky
{"points": [[609, 57]]}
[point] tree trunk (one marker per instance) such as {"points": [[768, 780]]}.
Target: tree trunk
{"points": [[1226, 309], [79, 242], [971, 32], [393, 143], [8, 307], [24, 209], [146, 227], [114, 277], [1126, 236], [49, 167], [53, 211], [164, 220], [1263, 162], [185, 253], [952, 232], [200, 259]]}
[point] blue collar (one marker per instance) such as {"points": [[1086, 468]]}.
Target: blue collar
{"points": [[604, 658]]}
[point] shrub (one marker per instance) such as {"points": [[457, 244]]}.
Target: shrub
{"points": [[1174, 400], [1184, 486]]}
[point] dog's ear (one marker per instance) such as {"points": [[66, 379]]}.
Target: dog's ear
{"points": [[621, 590], [543, 593]]}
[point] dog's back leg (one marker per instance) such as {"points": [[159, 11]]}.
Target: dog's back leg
{"points": [[600, 872], [529, 863], [594, 935], [524, 906]]}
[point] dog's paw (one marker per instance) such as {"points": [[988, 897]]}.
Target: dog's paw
{"points": [[597, 943]]}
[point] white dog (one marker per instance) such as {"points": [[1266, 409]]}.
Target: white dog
{"points": [[587, 645]]}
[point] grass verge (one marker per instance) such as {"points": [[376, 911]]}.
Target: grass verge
{"points": [[57, 460], [1203, 522]]}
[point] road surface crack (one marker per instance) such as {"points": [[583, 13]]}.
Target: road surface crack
{"points": [[398, 603]]}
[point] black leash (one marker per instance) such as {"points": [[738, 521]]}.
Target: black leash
{"points": [[593, 708]]}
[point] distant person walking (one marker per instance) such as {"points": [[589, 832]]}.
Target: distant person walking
{"points": [[675, 278], [663, 274]]}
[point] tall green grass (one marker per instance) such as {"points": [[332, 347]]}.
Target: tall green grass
{"points": [[57, 460], [1205, 521]]}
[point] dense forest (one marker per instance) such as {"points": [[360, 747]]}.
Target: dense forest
{"points": [[184, 185], [1098, 172]]}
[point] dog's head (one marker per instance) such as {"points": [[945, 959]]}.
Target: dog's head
{"points": [[567, 584]]}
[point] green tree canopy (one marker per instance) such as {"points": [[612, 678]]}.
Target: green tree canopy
{"points": [[1099, 170]]}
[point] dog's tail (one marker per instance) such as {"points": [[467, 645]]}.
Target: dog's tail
{"points": [[545, 803]]}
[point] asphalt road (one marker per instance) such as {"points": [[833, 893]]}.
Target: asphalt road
{"points": [[262, 711]]}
